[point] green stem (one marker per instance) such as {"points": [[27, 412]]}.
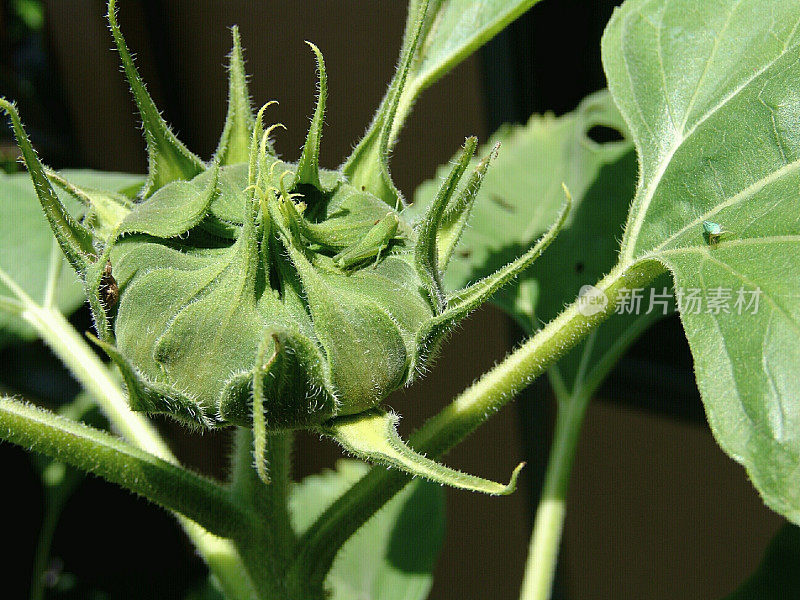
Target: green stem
{"points": [[219, 554], [53, 274], [318, 547], [52, 512], [273, 528], [551, 512], [98, 452], [549, 522]]}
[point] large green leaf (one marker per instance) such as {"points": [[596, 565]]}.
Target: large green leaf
{"points": [[777, 577], [453, 30], [520, 197], [26, 242], [392, 556], [710, 90]]}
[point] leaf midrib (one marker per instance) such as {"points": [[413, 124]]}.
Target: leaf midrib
{"points": [[632, 233]]}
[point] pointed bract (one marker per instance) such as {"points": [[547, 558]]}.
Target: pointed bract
{"points": [[234, 144], [151, 397], [173, 210], [455, 218], [169, 159], [308, 168], [368, 165], [256, 156], [463, 302], [426, 256], [372, 436], [106, 210], [74, 239]]}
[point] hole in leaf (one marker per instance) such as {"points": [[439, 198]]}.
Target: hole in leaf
{"points": [[602, 134]]}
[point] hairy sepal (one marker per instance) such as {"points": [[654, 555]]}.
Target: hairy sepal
{"points": [[372, 436]]}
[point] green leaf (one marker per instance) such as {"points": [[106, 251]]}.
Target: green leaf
{"points": [[710, 93], [777, 577], [392, 556], [26, 242], [453, 30]]}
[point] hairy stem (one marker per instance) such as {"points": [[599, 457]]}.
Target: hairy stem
{"points": [[95, 451], [318, 547], [551, 512], [269, 501]]}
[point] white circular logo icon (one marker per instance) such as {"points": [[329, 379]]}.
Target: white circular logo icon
{"points": [[591, 301]]}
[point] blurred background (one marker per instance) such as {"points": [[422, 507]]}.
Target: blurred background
{"points": [[655, 509]]}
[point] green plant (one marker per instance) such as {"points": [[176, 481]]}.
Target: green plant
{"points": [[273, 296]]}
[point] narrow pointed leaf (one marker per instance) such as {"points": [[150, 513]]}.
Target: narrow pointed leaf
{"points": [[456, 217], [234, 144], [469, 298], [372, 436], [169, 159], [519, 198], [426, 255], [710, 93], [308, 168], [74, 239], [464, 301], [368, 165]]}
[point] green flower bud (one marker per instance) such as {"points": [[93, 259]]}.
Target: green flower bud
{"points": [[258, 292]]}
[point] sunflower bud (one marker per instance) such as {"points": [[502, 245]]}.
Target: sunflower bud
{"points": [[253, 291]]}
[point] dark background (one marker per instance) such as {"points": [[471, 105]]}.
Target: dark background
{"points": [[655, 509]]}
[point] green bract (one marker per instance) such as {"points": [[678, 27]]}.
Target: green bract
{"points": [[253, 291]]}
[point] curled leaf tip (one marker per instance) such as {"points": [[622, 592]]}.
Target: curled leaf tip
{"points": [[308, 168], [372, 436]]}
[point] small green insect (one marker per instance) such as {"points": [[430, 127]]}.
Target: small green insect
{"points": [[374, 242], [712, 232]]}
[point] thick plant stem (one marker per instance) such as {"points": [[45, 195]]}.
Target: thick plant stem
{"points": [[318, 547], [269, 501], [549, 523], [219, 553], [95, 451]]}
